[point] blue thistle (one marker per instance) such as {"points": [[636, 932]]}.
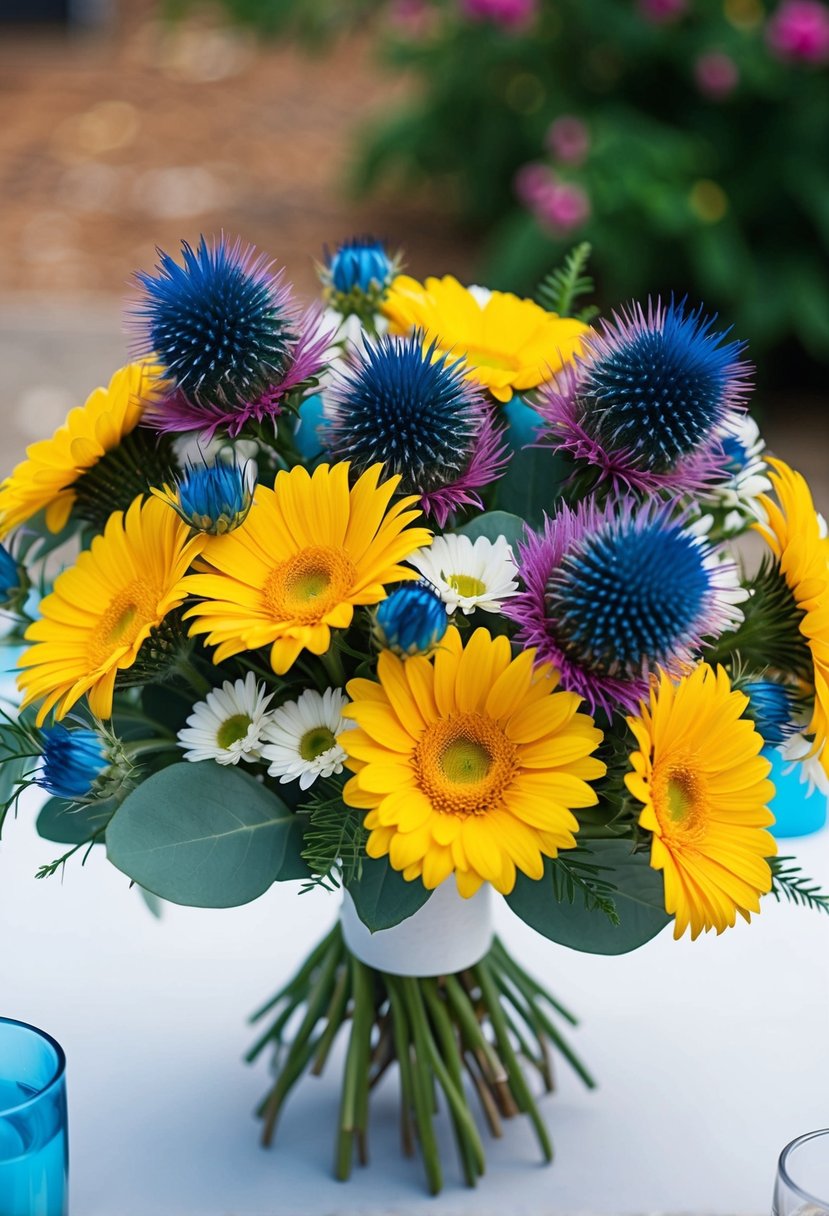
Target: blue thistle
{"points": [[213, 498], [661, 385], [220, 324], [10, 580], [410, 410], [412, 620], [770, 707], [360, 264], [72, 762]]}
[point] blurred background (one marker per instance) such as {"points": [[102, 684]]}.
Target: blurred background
{"points": [[687, 140]]}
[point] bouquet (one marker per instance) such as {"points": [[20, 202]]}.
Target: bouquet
{"points": [[426, 593]]}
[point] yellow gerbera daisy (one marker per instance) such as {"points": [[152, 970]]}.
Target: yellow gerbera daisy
{"points": [[309, 551], [52, 466], [509, 344], [703, 783], [470, 762], [794, 535], [104, 607]]}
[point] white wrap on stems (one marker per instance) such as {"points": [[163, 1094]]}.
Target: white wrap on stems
{"points": [[448, 934]]}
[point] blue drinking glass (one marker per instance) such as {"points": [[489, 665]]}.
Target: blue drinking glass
{"points": [[33, 1146]]}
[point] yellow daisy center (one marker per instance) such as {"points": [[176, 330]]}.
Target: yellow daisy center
{"points": [[308, 585], [131, 610], [481, 356], [232, 730], [466, 584], [315, 742], [680, 800], [464, 764]]}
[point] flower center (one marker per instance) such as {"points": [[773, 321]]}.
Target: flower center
{"points": [[308, 585], [316, 742], [482, 356], [232, 730], [130, 611], [679, 799], [464, 764], [466, 585]]}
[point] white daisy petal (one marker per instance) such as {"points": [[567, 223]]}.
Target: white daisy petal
{"points": [[300, 738], [227, 725], [469, 574]]}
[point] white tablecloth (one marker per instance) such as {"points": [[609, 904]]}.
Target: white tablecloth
{"points": [[710, 1055]]}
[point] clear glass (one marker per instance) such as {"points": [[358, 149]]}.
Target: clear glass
{"points": [[33, 1144], [802, 1187]]}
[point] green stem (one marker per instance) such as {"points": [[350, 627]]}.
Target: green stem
{"points": [[189, 672], [333, 664]]}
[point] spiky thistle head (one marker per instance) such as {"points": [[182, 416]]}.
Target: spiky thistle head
{"points": [[771, 707], [646, 402], [220, 323], [212, 498], [412, 620], [614, 593], [360, 264], [406, 406]]}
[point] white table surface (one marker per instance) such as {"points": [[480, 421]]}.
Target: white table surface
{"points": [[710, 1055]]}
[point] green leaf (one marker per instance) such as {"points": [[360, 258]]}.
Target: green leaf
{"points": [[531, 485], [68, 823], [493, 524], [206, 836], [382, 896], [639, 899]]}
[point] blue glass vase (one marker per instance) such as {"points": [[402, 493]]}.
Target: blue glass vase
{"points": [[33, 1144], [796, 811]]}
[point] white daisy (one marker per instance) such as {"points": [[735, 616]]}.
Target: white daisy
{"points": [[227, 726], [738, 495], [469, 574], [809, 768], [301, 737]]}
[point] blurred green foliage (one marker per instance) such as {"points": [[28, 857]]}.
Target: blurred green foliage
{"points": [[706, 168]]}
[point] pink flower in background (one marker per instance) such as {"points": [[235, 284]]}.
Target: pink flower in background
{"points": [[531, 182], [799, 29], [512, 14], [568, 139], [563, 206], [662, 11], [716, 75]]}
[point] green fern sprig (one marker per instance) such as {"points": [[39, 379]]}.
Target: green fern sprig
{"points": [[562, 289], [789, 882], [571, 877], [335, 839]]}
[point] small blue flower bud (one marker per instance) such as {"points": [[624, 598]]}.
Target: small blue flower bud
{"points": [[72, 762], [9, 575], [213, 498], [412, 620], [770, 708], [360, 264]]}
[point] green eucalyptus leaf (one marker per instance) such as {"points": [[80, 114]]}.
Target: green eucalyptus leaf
{"points": [[206, 836], [493, 524], [68, 823], [531, 485], [382, 896], [639, 899]]}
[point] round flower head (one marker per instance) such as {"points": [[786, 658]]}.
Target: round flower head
{"points": [[411, 621], [469, 574], [506, 344], [228, 725], [73, 760], [228, 336], [103, 609], [310, 551], [770, 707], [359, 267], [644, 405], [411, 409], [702, 781], [471, 763], [301, 737], [610, 597], [212, 498], [56, 475]]}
